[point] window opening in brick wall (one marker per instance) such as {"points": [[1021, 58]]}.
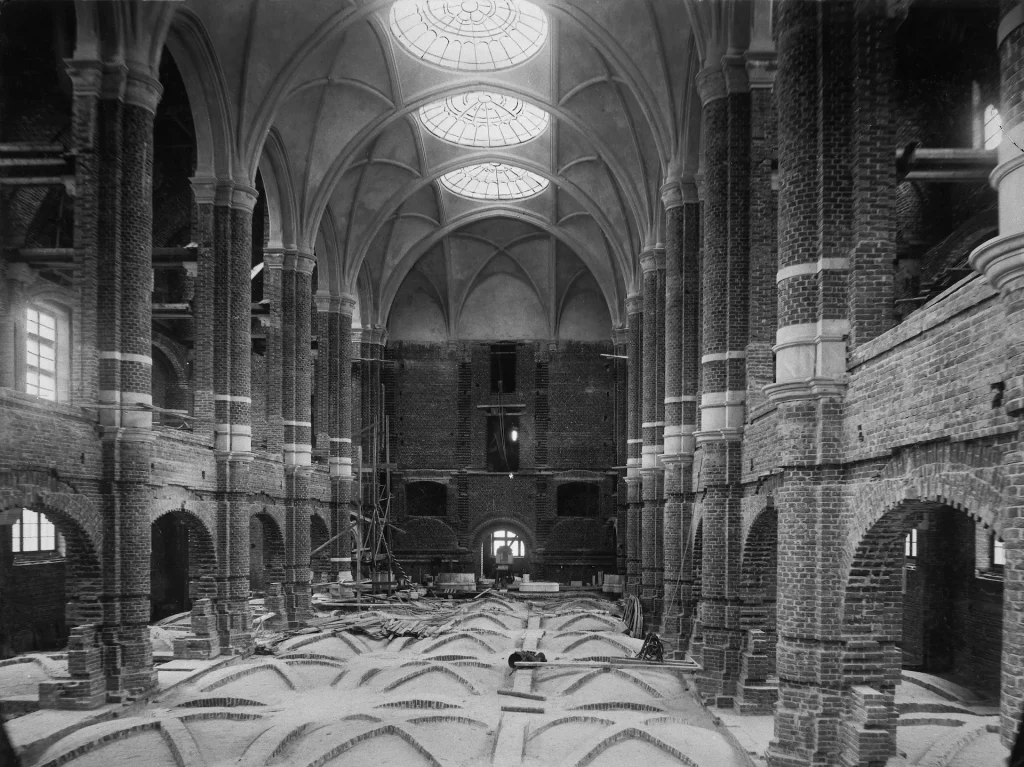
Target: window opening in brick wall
{"points": [[503, 443], [996, 552], [35, 534], [910, 545], [503, 368], [579, 499], [508, 538], [41, 354], [426, 499], [992, 127]]}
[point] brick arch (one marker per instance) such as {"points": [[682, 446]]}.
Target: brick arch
{"points": [[872, 621], [203, 512], [484, 526], [201, 543], [273, 545], [968, 479], [77, 520], [759, 576]]}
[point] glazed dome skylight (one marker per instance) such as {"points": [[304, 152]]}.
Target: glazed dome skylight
{"points": [[483, 119], [493, 181], [473, 35]]}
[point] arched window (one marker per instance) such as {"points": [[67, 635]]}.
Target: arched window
{"points": [[508, 538], [992, 127], [34, 533]]}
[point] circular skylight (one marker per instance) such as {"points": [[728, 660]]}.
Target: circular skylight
{"points": [[483, 119], [493, 181], [473, 35]]}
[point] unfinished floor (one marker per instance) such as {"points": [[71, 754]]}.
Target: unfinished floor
{"points": [[336, 698]]}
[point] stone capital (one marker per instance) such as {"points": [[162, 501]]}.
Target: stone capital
{"points": [[634, 303], [300, 263], [274, 258], [324, 304], [698, 185], [672, 194], [115, 81], [143, 90], [347, 303], [620, 335], [86, 76], [761, 69], [1001, 261], [734, 71], [652, 259], [711, 85], [689, 191], [243, 197]]}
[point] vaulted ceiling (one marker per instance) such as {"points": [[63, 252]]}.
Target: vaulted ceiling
{"points": [[323, 99]]}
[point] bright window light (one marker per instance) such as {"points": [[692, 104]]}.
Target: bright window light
{"points": [[41, 354], [998, 552], [471, 35], [508, 538], [910, 544], [33, 532], [993, 127], [493, 181], [483, 119]]}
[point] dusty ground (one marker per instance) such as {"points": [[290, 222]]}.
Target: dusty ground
{"points": [[337, 698]]}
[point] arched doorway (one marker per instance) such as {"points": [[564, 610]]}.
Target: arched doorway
{"points": [[182, 552], [759, 580], [266, 552], [921, 593]]}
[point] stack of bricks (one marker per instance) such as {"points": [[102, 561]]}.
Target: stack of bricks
{"points": [[87, 688], [203, 642], [755, 695]]}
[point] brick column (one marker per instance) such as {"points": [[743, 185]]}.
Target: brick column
{"points": [[634, 442], [620, 344], [273, 266], [754, 695], [1001, 261], [812, 91], [223, 321], [686, 224], [125, 219], [86, 79], [653, 263], [340, 424], [296, 385], [726, 105], [672, 198], [321, 380]]}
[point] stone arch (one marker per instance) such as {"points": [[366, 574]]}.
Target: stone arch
{"points": [[79, 523], [266, 549]]}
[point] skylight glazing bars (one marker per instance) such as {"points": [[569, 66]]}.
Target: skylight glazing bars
{"points": [[483, 119], [493, 181], [471, 35]]}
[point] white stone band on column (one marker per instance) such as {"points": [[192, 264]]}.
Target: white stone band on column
{"points": [[723, 410], [811, 350]]}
